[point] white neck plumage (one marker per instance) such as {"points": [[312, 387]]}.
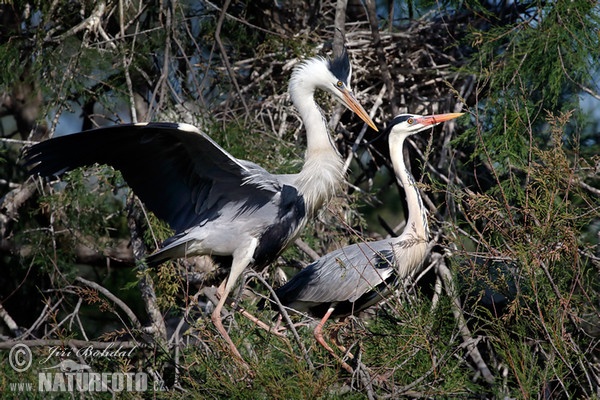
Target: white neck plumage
{"points": [[411, 245], [322, 172]]}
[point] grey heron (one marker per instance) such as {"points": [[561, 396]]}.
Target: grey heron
{"points": [[216, 204], [355, 277]]}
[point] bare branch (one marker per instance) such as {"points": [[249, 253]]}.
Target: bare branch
{"points": [[10, 323], [146, 285], [339, 36], [225, 58], [132, 317], [385, 72], [465, 332]]}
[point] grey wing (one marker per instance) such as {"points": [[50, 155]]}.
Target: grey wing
{"points": [[342, 275], [180, 173]]}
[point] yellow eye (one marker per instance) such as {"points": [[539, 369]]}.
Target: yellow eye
{"points": [[340, 84], [410, 121]]}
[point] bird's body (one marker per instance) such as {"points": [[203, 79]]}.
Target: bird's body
{"points": [[348, 280], [353, 278], [359, 276], [217, 204], [204, 207]]}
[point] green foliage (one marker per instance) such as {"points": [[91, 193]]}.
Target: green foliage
{"points": [[10, 67], [538, 224], [272, 153], [519, 188], [533, 67], [528, 204]]}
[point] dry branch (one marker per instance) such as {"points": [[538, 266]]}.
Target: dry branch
{"points": [[132, 317], [443, 271], [146, 285]]}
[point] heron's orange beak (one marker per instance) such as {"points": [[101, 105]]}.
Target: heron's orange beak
{"points": [[436, 119], [353, 104]]}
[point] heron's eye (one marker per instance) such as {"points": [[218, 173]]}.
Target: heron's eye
{"points": [[410, 121], [340, 84]]}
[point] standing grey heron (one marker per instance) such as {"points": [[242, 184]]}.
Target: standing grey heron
{"points": [[217, 204], [355, 277]]}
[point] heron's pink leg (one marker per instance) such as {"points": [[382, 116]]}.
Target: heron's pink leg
{"points": [[216, 319], [242, 257], [319, 337]]}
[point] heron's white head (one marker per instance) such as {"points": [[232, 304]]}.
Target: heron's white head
{"points": [[404, 125], [332, 76]]}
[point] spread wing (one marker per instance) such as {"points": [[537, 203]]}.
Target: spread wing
{"points": [[180, 173]]}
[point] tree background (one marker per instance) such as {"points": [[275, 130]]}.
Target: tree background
{"points": [[508, 303]]}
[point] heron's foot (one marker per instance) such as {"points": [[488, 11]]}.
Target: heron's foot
{"points": [[333, 336], [280, 329], [275, 330], [319, 337]]}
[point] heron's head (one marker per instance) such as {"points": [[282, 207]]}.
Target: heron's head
{"points": [[332, 76], [409, 124]]}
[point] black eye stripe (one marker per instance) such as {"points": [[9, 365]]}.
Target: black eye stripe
{"points": [[409, 119]]}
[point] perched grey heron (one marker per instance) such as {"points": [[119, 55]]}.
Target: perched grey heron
{"points": [[353, 278], [218, 205]]}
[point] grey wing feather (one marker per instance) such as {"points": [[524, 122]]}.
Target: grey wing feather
{"points": [[180, 173], [342, 275]]}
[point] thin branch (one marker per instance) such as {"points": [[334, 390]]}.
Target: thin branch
{"points": [[224, 57], [381, 57], [12, 202], [306, 249], [579, 85], [146, 285], [132, 317], [9, 321], [127, 63], [285, 315], [243, 21], [473, 352], [339, 36]]}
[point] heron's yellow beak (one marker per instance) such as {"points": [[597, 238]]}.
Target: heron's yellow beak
{"points": [[353, 104], [436, 119]]}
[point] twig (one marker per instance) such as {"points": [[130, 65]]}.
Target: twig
{"points": [[146, 285], [43, 316], [589, 188], [91, 23], [579, 85], [163, 81], [127, 63], [132, 317], [339, 36], [79, 323], [12, 202], [446, 276], [301, 244], [17, 141], [244, 21], [225, 58], [283, 312], [12, 325], [385, 71]]}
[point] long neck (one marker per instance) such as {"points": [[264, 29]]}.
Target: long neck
{"points": [[322, 172], [412, 243]]}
